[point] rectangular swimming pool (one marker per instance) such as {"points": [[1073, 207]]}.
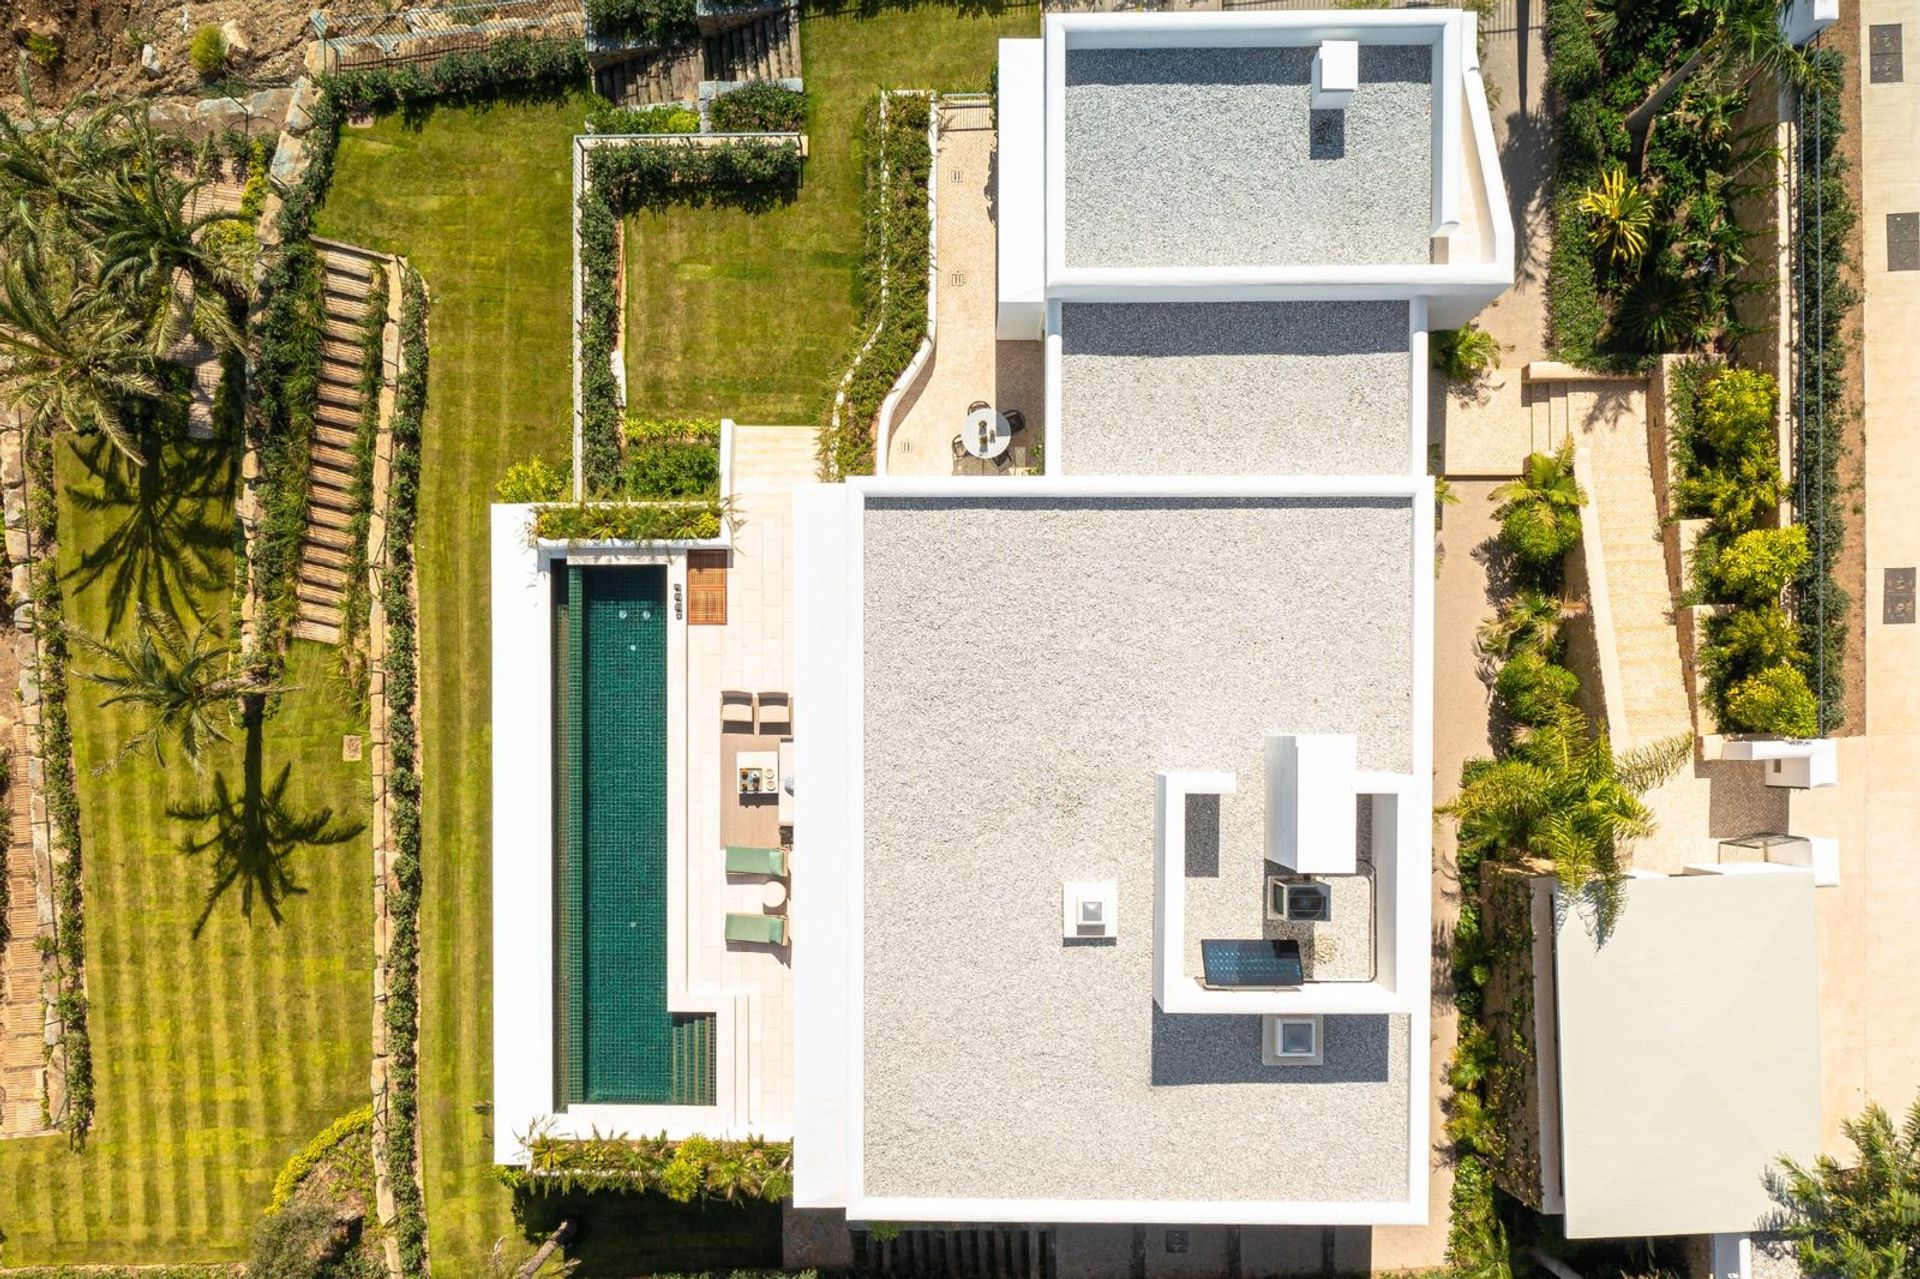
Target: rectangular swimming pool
{"points": [[619, 1043]]}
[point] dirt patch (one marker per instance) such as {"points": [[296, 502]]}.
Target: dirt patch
{"points": [[75, 46]]}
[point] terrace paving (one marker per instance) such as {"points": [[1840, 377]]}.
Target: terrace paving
{"points": [[968, 364]]}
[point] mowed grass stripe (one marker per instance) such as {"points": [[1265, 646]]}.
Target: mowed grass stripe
{"points": [[203, 1085]]}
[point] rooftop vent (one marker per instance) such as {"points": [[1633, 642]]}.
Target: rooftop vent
{"points": [[1089, 909], [1298, 903], [1336, 74]]}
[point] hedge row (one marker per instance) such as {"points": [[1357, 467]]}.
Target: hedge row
{"points": [[1727, 465], [621, 180], [893, 276], [308, 1157], [629, 522], [403, 784], [1826, 216], [356, 605], [686, 1170], [74, 1046], [280, 418], [669, 117], [513, 68], [760, 107], [655, 22], [671, 458]]}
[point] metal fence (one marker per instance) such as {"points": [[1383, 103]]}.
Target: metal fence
{"points": [[360, 35]]}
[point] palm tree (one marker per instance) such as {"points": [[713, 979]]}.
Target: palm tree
{"points": [[1530, 619], [1564, 796], [1539, 513], [1619, 213], [179, 681], [162, 259], [1863, 1221], [69, 354]]}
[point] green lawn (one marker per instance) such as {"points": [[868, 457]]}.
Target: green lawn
{"points": [[477, 200], [755, 321], [751, 315], [217, 1056]]}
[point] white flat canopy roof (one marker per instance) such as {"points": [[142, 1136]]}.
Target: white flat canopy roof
{"points": [[1689, 1053]]}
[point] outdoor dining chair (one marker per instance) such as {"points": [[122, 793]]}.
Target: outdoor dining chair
{"points": [[736, 711], [959, 447], [776, 714]]}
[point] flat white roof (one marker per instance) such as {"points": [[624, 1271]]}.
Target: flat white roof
{"points": [[1212, 156], [1018, 661], [1689, 1053]]}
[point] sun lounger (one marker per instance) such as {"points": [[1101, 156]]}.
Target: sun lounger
{"points": [[744, 860], [768, 930]]}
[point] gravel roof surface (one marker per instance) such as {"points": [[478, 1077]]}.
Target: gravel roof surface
{"points": [[1030, 663], [1213, 157], [1235, 388]]}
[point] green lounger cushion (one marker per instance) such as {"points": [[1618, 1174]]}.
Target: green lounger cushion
{"points": [[769, 929], [742, 860]]}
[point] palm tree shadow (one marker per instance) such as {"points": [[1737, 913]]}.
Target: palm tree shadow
{"points": [[167, 545], [253, 834]]}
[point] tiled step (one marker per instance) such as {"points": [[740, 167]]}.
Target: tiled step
{"points": [[307, 629], [318, 553]]}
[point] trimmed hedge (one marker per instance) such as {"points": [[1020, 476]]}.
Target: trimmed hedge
{"points": [[358, 601], [683, 1171], [75, 1045], [1821, 602], [308, 1157], [761, 106], [629, 522], [515, 68], [403, 783], [621, 180], [669, 118], [673, 458], [893, 276], [655, 22]]}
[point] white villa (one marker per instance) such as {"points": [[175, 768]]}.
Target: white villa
{"points": [[1113, 805]]}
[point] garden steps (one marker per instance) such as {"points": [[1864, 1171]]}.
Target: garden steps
{"points": [[765, 49], [669, 75], [321, 589], [1609, 421]]}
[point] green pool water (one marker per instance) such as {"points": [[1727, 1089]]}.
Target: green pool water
{"points": [[619, 1043]]}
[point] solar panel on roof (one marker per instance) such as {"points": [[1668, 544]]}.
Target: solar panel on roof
{"points": [[1257, 964]]}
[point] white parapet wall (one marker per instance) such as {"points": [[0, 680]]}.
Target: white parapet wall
{"points": [[1021, 191]]}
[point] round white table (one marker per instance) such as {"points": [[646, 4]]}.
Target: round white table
{"points": [[987, 433], [773, 895]]}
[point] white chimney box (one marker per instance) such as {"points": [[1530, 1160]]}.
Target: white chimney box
{"points": [[1336, 74], [1311, 801]]}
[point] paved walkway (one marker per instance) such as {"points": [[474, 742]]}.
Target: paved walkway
{"points": [[1870, 947], [753, 651], [1514, 66], [22, 1017], [968, 364]]}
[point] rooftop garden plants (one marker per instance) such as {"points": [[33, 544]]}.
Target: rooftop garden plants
{"points": [[683, 1171]]}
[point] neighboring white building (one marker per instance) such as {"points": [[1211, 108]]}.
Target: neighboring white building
{"points": [[1114, 801]]}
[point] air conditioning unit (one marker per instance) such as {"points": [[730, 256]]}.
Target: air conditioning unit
{"points": [[1291, 1041], [1295, 901], [1089, 909]]}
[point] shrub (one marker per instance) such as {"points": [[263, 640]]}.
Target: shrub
{"points": [[297, 1242], [208, 52], [1735, 406], [533, 480], [44, 50], [696, 1168], [894, 270], [1540, 512], [1756, 566], [643, 21], [515, 66], [603, 522], [1776, 700], [1533, 688], [668, 118], [1465, 355], [1748, 639], [759, 107], [1618, 213]]}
